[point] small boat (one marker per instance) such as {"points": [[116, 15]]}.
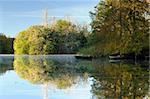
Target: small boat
{"points": [[115, 57]]}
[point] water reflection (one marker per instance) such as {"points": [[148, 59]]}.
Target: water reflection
{"points": [[44, 70], [122, 80], [39, 70], [6, 63]]}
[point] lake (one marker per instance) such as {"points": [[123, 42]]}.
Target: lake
{"points": [[65, 77]]}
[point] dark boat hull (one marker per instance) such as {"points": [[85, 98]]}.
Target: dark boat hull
{"points": [[83, 57]]}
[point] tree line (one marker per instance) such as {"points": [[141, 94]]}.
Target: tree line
{"points": [[119, 27], [60, 37], [6, 44]]}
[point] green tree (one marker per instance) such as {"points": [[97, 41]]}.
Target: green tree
{"points": [[119, 27], [61, 37], [21, 44], [6, 44], [35, 40], [71, 37], [2, 43], [64, 26], [41, 40]]}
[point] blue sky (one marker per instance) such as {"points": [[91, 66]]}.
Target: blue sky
{"points": [[17, 15]]}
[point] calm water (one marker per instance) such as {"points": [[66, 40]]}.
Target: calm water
{"points": [[65, 77]]}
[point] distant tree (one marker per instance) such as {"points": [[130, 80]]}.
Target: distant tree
{"points": [[6, 44], [10, 42], [2, 41], [72, 36]]}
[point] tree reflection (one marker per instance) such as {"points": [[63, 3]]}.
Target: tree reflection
{"points": [[40, 70], [120, 81], [45, 71], [6, 64], [109, 80]]}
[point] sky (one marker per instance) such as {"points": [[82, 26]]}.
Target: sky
{"points": [[18, 15]]}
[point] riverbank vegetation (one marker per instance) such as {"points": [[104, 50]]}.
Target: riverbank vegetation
{"points": [[6, 44], [109, 80], [119, 27], [60, 37]]}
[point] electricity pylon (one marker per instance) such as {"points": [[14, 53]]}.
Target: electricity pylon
{"points": [[45, 18]]}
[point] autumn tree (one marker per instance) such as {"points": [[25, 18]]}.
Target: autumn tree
{"points": [[35, 40], [60, 37], [119, 27]]}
